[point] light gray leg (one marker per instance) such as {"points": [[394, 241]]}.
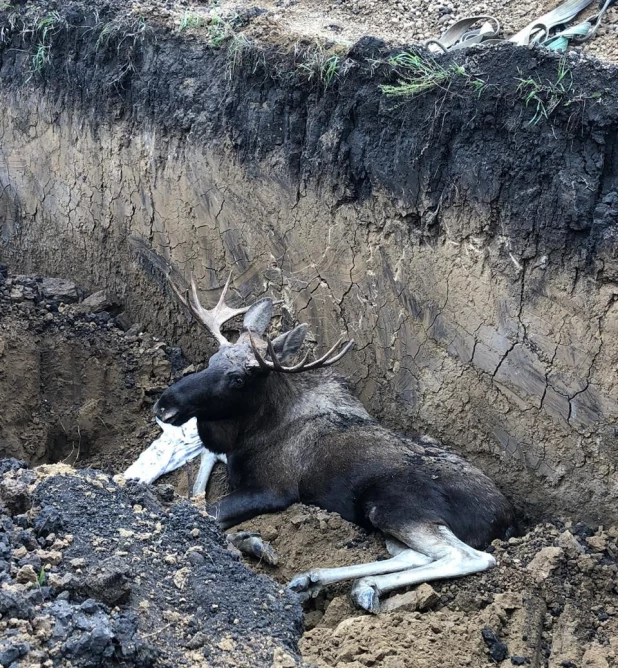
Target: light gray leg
{"points": [[207, 461], [310, 583], [450, 558], [394, 546]]}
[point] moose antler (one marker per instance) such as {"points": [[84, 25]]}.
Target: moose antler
{"points": [[275, 365], [212, 319]]}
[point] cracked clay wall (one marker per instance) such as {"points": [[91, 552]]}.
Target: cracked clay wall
{"points": [[474, 265]]}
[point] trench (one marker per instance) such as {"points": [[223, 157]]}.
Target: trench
{"points": [[468, 246]]}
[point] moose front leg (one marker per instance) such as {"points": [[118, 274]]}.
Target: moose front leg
{"points": [[242, 505]]}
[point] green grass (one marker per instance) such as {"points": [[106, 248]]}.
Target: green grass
{"points": [[192, 20], [544, 97], [120, 30], [218, 30], [44, 29], [322, 66], [420, 74]]}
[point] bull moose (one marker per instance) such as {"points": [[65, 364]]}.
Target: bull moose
{"points": [[295, 432]]}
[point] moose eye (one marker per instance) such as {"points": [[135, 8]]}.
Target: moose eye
{"points": [[238, 381]]}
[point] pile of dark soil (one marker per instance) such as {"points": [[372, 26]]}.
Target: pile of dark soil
{"points": [[93, 573]]}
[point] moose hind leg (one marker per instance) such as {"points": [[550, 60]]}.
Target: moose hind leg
{"points": [[310, 583], [449, 557]]}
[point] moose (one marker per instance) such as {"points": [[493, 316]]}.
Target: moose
{"points": [[295, 432]]}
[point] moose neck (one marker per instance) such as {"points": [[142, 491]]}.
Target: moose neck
{"points": [[273, 401]]}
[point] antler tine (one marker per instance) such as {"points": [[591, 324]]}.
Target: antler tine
{"points": [[348, 346], [273, 356], [212, 319], [276, 365]]}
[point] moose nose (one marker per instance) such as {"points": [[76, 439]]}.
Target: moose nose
{"points": [[165, 414]]}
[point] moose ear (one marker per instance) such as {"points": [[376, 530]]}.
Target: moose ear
{"points": [[287, 345], [257, 318]]}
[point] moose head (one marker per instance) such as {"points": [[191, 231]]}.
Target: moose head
{"points": [[230, 384]]}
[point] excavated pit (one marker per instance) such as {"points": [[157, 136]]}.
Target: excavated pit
{"points": [[123, 564], [468, 244]]}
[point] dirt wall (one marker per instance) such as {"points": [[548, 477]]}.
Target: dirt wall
{"points": [[468, 246]]}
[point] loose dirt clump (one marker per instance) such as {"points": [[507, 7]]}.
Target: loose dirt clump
{"points": [[551, 601]]}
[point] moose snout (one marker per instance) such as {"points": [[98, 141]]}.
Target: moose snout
{"points": [[165, 413]]}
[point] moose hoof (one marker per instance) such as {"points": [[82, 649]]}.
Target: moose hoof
{"points": [[253, 545], [306, 585], [365, 595]]}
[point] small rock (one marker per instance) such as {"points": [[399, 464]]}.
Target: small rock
{"points": [[97, 302], [598, 543], [197, 641], [61, 582], [544, 562], [497, 649], [80, 562], [299, 520], [570, 544], [10, 654], [165, 492], [20, 553], [26, 575], [421, 598], [180, 577], [107, 582], [123, 321], [338, 609], [59, 289], [15, 496], [227, 645], [269, 533], [53, 557], [426, 597], [281, 659]]}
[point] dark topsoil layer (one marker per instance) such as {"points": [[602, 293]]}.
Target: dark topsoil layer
{"points": [[271, 106]]}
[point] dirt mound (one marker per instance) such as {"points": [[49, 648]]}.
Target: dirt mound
{"points": [[95, 574], [551, 601], [74, 385]]}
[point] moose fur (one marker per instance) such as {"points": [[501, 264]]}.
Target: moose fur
{"points": [[304, 437]]}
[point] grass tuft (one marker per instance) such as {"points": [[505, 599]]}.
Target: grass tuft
{"points": [[321, 65], [546, 97], [420, 74]]}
